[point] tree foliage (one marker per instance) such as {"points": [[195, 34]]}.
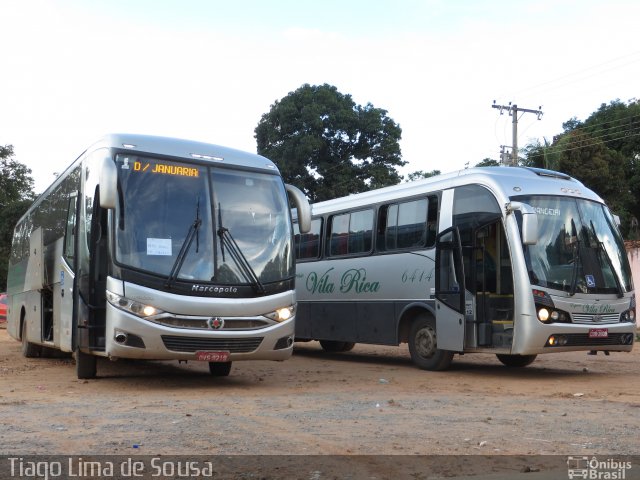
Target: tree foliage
{"points": [[488, 162], [327, 145], [16, 194], [420, 174]]}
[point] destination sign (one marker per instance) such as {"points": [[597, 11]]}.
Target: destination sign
{"points": [[165, 169]]}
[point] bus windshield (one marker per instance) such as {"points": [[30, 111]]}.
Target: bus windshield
{"points": [[579, 249], [176, 219]]}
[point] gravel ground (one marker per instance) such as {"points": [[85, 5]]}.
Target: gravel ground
{"points": [[366, 404]]}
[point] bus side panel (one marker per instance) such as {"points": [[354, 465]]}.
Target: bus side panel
{"points": [[377, 323], [303, 327], [15, 297], [333, 321], [33, 316]]}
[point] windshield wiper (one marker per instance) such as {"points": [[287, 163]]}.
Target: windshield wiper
{"points": [[227, 240], [613, 270], [576, 266], [193, 232], [600, 247], [576, 260]]}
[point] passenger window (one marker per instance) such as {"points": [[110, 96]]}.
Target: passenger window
{"points": [[410, 224], [351, 233], [307, 245]]}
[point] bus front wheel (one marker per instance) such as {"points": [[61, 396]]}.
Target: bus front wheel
{"points": [[220, 369], [86, 365], [29, 350], [336, 346], [516, 360], [423, 346]]}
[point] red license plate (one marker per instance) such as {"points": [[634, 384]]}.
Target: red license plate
{"points": [[213, 356], [598, 332]]}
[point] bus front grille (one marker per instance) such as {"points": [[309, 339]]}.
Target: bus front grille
{"points": [[587, 318], [194, 344]]}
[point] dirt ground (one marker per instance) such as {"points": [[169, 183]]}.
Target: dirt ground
{"points": [[371, 401]]}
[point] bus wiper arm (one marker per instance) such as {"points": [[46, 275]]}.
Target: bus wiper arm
{"points": [[613, 270], [177, 265], [576, 267], [227, 240]]}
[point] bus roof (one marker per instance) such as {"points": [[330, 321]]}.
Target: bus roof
{"points": [[509, 181], [187, 149]]}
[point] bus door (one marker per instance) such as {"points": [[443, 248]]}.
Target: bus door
{"points": [[68, 277], [450, 291], [491, 282], [92, 275]]}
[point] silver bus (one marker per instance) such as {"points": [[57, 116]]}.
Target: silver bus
{"points": [[511, 261], [157, 248]]}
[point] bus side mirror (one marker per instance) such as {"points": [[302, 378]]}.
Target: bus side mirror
{"points": [[108, 183], [529, 222], [302, 206]]}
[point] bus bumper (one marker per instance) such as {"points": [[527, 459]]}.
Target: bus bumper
{"points": [[128, 336]]}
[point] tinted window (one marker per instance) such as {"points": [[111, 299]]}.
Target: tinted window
{"points": [[307, 245], [411, 224], [351, 233]]}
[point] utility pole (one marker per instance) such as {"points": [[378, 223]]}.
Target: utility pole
{"points": [[504, 155], [513, 111]]}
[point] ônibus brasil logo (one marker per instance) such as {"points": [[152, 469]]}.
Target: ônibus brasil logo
{"points": [[596, 469]]}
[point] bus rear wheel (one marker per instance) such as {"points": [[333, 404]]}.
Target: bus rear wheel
{"points": [[29, 350], [86, 365], [423, 346], [336, 346], [516, 360], [220, 369]]}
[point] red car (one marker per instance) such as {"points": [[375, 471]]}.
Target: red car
{"points": [[3, 307]]}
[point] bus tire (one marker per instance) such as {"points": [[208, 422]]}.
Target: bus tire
{"points": [[516, 360], [29, 350], [423, 346], [86, 365], [334, 346], [220, 369]]}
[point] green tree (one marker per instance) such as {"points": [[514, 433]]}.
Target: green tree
{"points": [[420, 174], [16, 194], [327, 145], [488, 162]]}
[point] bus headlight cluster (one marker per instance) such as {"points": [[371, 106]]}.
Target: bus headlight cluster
{"points": [[628, 316], [131, 306], [550, 315], [282, 314]]}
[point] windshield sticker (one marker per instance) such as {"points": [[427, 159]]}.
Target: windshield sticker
{"points": [[551, 212], [125, 165], [591, 282], [159, 246]]}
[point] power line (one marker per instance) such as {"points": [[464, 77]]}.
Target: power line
{"points": [[513, 111]]}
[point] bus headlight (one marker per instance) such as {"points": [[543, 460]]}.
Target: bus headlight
{"points": [[628, 316], [282, 314], [543, 315], [131, 306]]}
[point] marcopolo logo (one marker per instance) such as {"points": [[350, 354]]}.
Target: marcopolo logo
{"points": [[596, 469]]}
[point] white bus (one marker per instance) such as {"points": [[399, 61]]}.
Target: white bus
{"points": [[157, 248], [511, 261]]}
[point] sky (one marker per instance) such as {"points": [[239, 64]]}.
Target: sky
{"points": [[207, 70]]}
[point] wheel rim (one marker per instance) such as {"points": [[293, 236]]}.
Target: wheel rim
{"points": [[425, 342]]}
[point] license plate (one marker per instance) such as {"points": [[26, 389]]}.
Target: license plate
{"points": [[598, 332], [213, 356]]}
